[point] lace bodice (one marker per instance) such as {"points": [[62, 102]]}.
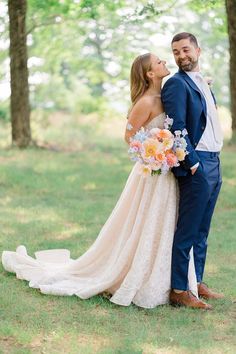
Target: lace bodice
{"points": [[157, 122]]}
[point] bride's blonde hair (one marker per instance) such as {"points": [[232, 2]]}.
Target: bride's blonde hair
{"points": [[139, 82]]}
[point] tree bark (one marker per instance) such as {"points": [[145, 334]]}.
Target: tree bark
{"points": [[20, 109], [231, 15]]}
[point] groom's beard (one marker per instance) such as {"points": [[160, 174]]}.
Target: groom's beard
{"points": [[187, 64]]}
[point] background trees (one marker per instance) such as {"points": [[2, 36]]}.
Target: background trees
{"points": [[231, 14], [80, 52], [20, 111]]}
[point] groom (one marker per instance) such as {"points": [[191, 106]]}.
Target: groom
{"points": [[188, 99]]}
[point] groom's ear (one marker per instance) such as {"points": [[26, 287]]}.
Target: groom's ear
{"points": [[199, 51]]}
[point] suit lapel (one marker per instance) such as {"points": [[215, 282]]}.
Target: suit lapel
{"points": [[194, 87]]}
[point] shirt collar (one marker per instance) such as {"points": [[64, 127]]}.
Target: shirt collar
{"points": [[193, 74]]}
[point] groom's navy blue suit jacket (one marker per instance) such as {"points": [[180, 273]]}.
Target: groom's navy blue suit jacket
{"points": [[184, 102]]}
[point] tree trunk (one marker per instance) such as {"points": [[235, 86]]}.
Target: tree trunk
{"points": [[231, 14], [20, 109]]}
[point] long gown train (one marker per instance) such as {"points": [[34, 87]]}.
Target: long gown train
{"points": [[130, 258]]}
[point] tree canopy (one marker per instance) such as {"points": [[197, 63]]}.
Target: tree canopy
{"points": [[80, 52]]}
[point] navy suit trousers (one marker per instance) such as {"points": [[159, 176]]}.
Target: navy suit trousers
{"points": [[198, 196]]}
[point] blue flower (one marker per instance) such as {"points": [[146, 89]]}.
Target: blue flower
{"points": [[141, 135], [164, 168]]}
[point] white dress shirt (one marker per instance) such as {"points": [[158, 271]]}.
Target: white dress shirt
{"points": [[212, 137]]}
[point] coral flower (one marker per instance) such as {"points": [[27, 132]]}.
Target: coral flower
{"points": [[171, 160], [168, 152], [164, 134], [160, 157], [180, 154]]}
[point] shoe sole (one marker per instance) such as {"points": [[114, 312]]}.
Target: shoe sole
{"points": [[174, 304], [210, 298]]}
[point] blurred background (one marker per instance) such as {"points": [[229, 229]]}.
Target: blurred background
{"points": [[80, 54]]}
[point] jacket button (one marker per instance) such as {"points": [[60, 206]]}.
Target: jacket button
{"points": [[195, 144], [203, 127]]}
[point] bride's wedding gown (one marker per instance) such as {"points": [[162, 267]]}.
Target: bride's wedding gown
{"points": [[131, 257]]}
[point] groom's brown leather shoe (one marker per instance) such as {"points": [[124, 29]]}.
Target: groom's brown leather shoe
{"points": [[187, 299], [206, 293]]}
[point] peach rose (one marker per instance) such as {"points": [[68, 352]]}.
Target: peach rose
{"points": [[160, 157], [164, 134]]}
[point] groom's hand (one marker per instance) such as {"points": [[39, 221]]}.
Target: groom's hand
{"points": [[194, 168]]}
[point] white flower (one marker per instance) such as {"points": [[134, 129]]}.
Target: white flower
{"points": [[145, 170], [168, 122], [178, 133], [156, 166], [164, 168], [154, 131]]}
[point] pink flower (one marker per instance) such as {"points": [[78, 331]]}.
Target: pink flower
{"points": [[136, 144], [171, 160]]}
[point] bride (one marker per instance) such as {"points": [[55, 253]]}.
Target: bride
{"points": [[131, 257]]}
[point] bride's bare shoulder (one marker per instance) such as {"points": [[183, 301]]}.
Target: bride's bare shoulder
{"points": [[147, 99], [147, 106], [145, 102]]}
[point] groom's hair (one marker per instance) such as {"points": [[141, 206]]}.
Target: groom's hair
{"points": [[185, 35]]}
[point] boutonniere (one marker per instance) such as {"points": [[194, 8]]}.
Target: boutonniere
{"points": [[209, 81]]}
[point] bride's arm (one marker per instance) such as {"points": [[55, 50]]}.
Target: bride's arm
{"points": [[137, 118]]}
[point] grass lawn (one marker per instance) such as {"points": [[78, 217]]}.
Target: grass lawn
{"points": [[60, 199]]}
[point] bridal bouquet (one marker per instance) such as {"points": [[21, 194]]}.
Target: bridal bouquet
{"points": [[158, 150]]}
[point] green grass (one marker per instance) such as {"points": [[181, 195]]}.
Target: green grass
{"points": [[51, 199]]}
